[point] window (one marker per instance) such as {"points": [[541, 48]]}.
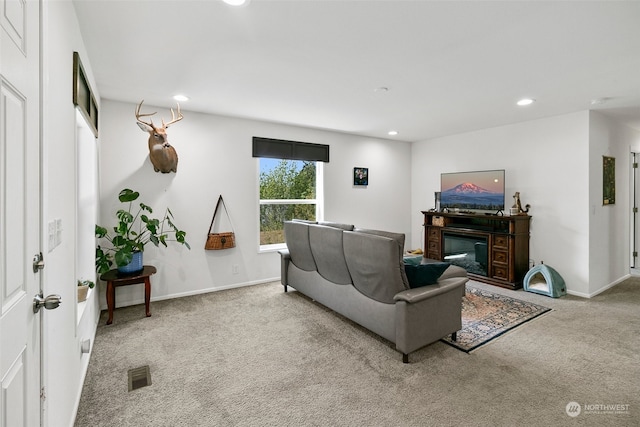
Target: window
{"points": [[290, 185], [288, 189]]}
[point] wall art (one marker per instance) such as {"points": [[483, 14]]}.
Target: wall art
{"points": [[83, 95], [360, 176], [608, 180]]}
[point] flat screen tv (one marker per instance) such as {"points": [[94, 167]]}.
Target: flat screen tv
{"points": [[476, 191]]}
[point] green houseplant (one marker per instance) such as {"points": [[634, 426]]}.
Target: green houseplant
{"points": [[134, 230]]}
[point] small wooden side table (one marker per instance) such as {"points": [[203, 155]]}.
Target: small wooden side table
{"points": [[114, 278]]}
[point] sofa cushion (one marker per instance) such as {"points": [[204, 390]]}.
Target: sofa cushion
{"points": [[373, 264], [399, 239], [425, 274], [328, 254], [296, 236]]}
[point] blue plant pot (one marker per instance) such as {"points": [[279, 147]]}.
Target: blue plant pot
{"points": [[134, 266]]}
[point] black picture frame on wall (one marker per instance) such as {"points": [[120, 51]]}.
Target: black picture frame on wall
{"points": [[83, 95], [608, 180], [360, 176]]}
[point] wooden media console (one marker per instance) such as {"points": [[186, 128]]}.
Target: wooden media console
{"points": [[492, 248]]}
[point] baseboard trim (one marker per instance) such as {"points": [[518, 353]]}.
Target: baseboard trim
{"points": [[601, 290], [215, 289], [195, 292]]}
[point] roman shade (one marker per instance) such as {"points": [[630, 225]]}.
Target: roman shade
{"points": [[289, 150]]}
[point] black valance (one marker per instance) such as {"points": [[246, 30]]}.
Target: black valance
{"points": [[290, 150]]}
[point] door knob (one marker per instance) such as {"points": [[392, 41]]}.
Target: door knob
{"points": [[50, 302]]}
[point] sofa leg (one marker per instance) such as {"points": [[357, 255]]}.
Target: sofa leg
{"points": [[454, 336], [285, 288], [405, 358]]}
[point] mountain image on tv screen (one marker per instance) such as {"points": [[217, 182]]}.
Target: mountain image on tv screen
{"points": [[483, 190]]}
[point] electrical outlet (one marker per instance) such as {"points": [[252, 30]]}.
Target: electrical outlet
{"points": [[235, 269]]}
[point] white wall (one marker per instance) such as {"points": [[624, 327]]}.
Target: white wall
{"points": [[556, 164], [546, 160], [383, 203], [609, 225], [87, 199], [215, 158], [63, 331]]}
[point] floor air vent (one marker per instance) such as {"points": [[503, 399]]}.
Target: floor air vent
{"points": [[139, 377]]}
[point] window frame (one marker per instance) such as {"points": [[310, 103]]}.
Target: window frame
{"points": [[318, 201]]}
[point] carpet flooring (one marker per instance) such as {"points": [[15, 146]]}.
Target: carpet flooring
{"points": [[487, 315], [257, 356]]}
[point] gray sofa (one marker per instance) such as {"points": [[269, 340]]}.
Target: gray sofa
{"points": [[360, 274]]}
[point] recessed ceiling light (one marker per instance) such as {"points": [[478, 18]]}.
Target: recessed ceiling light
{"points": [[525, 101], [392, 132], [181, 98], [236, 2]]}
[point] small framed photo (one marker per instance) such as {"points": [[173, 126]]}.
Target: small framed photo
{"points": [[360, 176]]}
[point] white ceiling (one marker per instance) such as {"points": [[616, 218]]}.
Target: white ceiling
{"points": [[449, 66]]}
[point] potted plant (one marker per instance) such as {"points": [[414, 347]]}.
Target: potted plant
{"points": [[134, 230], [83, 289]]}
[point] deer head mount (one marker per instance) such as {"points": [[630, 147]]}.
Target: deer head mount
{"points": [[162, 155]]}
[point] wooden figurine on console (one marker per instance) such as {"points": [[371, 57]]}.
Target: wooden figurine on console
{"points": [[517, 206]]}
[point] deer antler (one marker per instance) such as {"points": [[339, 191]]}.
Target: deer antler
{"points": [[173, 118], [138, 115]]}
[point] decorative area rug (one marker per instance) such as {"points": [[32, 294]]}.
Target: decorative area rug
{"points": [[487, 315]]}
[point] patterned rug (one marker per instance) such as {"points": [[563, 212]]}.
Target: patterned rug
{"points": [[486, 315]]}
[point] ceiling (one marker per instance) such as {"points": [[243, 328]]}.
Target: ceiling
{"points": [[448, 66]]}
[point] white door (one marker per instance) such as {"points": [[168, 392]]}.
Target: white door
{"points": [[19, 212], [635, 204]]}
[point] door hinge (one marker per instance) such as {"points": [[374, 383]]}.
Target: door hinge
{"points": [[635, 210], [635, 165], [43, 395], [38, 262], [635, 254]]}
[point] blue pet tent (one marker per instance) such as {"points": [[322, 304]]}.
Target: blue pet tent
{"points": [[544, 280]]}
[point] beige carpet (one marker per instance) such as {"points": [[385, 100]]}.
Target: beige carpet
{"points": [[257, 356]]}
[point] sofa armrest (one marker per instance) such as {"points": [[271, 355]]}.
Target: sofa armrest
{"points": [[453, 271], [284, 253], [285, 259], [415, 295]]}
